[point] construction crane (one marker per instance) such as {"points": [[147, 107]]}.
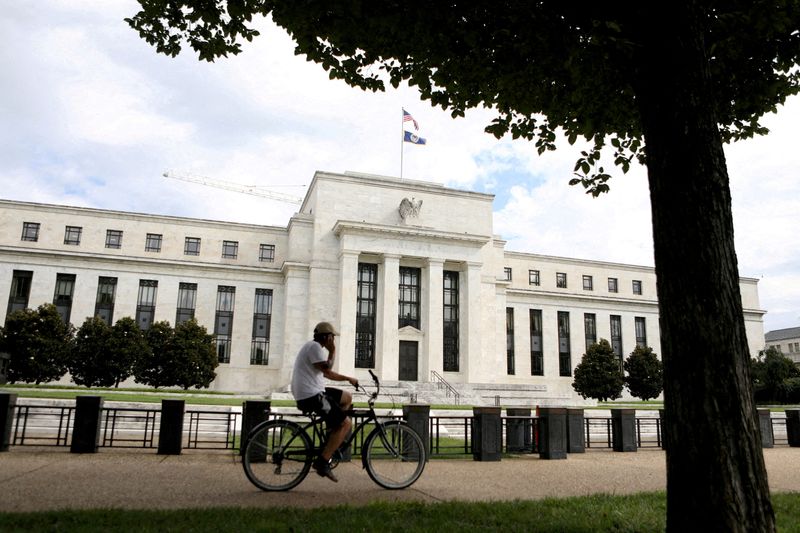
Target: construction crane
{"points": [[236, 187]]}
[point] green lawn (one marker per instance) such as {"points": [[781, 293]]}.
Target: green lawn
{"points": [[602, 513]]}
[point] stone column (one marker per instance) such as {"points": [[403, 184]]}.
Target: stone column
{"points": [[431, 356], [348, 290], [296, 329], [470, 305], [387, 342]]}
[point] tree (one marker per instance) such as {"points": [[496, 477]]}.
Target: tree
{"points": [[38, 343], [645, 378], [90, 361], [771, 374], [598, 374], [665, 84], [126, 345], [193, 355], [153, 366]]}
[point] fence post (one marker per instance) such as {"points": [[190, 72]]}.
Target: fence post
{"points": [[7, 404], [552, 433], [253, 413], [793, 427], [170, 431], [487, 434], [576, 440], [418, 417], [765, 425], [86, 427], [519, 432], [623, 430]]}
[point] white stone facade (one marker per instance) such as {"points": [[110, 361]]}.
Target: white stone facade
{"points": [[347, 220]]}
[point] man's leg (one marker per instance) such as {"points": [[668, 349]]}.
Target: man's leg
{"points": [[336, 438]]}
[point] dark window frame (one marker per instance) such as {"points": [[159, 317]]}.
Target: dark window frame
{"points": [[534, 278], [146, 303], [590, 285], [615, 322], [30, 231], [266, 253], [223, 321], [262, 320], [106, 298], [366, 313], [230, 249], [187, 302], [613, 285], [510, 367], [19, 295], [590, 329], [640, 328], [153, 241], [508, 274], [191, 246], [564, 348], [72, 235], [450, 321], [63, 298], [636, 286], [409, 308], [114, 239], [537, 339], [561, 280]]}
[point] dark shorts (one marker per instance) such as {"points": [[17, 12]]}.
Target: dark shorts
{"points": [[326, 405]]}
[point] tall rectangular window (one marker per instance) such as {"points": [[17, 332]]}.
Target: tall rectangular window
{"points": [[637, 286], [20, 290], [564, 353], [104, 305], [223, 322], [191, 246], [30, 231], [72, 235], [507, 273], [152, 242], [266, 253], [65, 287], [590, 328], [616, 335], [262, 321], [146, 303], [409, 290], [230, 249], [187, 298], [537, 355], [366, 301], [450, 327], [612, 284], [588, 283], [641, 331], [510, 340], [533, 277], [113, 238], [561, 280]]}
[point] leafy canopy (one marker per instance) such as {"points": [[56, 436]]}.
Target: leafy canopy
{"points": [[599, 375], [543, 66], [645, 373]]}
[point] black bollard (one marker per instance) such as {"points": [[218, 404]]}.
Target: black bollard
{"points": [[623, 430], [170, 432], [487, 433], [7, 404], [552, 433], [86, 428]]}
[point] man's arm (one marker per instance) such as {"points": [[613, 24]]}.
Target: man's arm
{"points": [[327, 366]]}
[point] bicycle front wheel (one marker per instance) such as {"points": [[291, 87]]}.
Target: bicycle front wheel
{"points": [[394, 455], [277, 456]]}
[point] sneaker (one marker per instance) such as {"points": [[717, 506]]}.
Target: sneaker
{"points": [[323, 468]]}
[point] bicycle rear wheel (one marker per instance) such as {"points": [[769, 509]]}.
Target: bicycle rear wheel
{"points": [[394, 456], [277, 456]]}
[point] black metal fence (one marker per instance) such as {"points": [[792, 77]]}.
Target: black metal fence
{"points": [[136, 427]]}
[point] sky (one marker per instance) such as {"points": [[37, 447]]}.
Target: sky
{"points": [[92, 116]]}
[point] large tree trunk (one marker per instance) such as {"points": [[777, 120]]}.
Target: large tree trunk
{"points": [[716, 479]]}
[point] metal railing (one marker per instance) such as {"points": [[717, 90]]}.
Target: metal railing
{"points": [[449, 389]]}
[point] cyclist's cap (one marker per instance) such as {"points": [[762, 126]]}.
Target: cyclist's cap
{"points": [[325, 327]]}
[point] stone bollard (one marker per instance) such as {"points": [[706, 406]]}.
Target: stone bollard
{"points": [[86, 427], [487, 433], [623, 430], [418, 417], [576, 439], [793, 427], [7, 404], [170, 432], [552, 433], [765, 425], [253, 413], [519, 431]]}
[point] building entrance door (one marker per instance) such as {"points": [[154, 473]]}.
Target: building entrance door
{"points": [[409, 351]]}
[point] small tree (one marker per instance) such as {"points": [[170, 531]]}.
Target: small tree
{"points": [[770, 373], [126, 345], [152, 367], [645, 379], [38, 343], [193, 355], [598, 375], [90, 361]]}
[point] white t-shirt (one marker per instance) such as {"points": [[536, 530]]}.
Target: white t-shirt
{"points": [[307, 380]]}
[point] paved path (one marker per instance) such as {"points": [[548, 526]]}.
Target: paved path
{"points": [[39, 479]]}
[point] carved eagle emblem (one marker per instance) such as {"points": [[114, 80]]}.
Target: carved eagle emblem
{"points": [[409, 208]]}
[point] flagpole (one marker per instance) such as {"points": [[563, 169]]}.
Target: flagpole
{"points": [[402, 135]]}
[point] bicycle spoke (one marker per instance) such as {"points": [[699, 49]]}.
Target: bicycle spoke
{"points": [[277, 455], [395, 455]]}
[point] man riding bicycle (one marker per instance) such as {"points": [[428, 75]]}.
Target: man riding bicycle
{"points": [[331, 404]]}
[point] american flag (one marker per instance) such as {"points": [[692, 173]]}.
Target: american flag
{"points": [[408, 118]]}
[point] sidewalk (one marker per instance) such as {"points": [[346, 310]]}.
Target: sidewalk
{"points": [[42, 479]]}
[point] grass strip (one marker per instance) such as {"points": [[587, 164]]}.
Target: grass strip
{"points": [[607, 513]]}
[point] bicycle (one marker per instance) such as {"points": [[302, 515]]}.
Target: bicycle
{"points": [[279, 452]]}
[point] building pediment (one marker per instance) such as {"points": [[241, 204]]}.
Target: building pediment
{"points": [[347, 227]]}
